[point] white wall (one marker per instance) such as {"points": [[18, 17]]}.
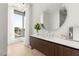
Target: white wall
{"points": [[76, 33], [71, 20], [11, 34], [3, 28], [27, 19]]}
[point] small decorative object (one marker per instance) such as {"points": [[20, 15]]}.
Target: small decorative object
{"points": [[37, 27], [71, 33], [43, 26]]}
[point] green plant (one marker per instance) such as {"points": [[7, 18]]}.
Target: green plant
{"points": [[37, 27]]}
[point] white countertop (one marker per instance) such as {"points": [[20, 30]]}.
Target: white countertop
{"points": [[59, 40]]}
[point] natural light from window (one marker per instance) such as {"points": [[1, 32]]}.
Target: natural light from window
{"points": [[18, 20]]}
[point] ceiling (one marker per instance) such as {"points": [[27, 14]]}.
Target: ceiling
{"points": [[48, 7], [18, 6]]}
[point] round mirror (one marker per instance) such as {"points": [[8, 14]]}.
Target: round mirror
{"points": [[53, 18]]}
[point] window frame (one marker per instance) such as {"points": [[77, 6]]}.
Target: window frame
{"points": [[23, 15]]}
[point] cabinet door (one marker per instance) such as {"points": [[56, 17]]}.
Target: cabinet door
{"points": [[58, 50], [53, 48], [35, 43], [62, 50], [45, 47], [75, 52], [67, 51]]}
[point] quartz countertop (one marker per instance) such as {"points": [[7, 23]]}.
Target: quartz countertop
{"points": [[59, 40]]}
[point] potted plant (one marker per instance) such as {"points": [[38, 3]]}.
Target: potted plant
{"points": [[37, 27]]}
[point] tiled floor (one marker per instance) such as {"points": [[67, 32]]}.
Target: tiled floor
{"points": [[19, 49]]}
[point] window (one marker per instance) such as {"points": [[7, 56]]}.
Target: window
{"points": [[19, 23]]}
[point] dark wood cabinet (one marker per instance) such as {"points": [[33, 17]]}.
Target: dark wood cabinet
{"points": [[41, 45], [67, 51], [52, 48], [75, 52], [58, 50]]}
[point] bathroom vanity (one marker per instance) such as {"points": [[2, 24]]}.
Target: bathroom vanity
{"points": [[54, 46], [53, 19]]}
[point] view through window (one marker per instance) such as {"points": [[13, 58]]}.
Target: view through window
{"points": [[19, 24]]}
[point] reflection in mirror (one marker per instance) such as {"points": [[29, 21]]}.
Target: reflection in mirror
{"points": [[54, 19], [63, 15], [71, 33]]}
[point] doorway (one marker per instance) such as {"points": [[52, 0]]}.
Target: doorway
{"points": [[18, 23]]}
